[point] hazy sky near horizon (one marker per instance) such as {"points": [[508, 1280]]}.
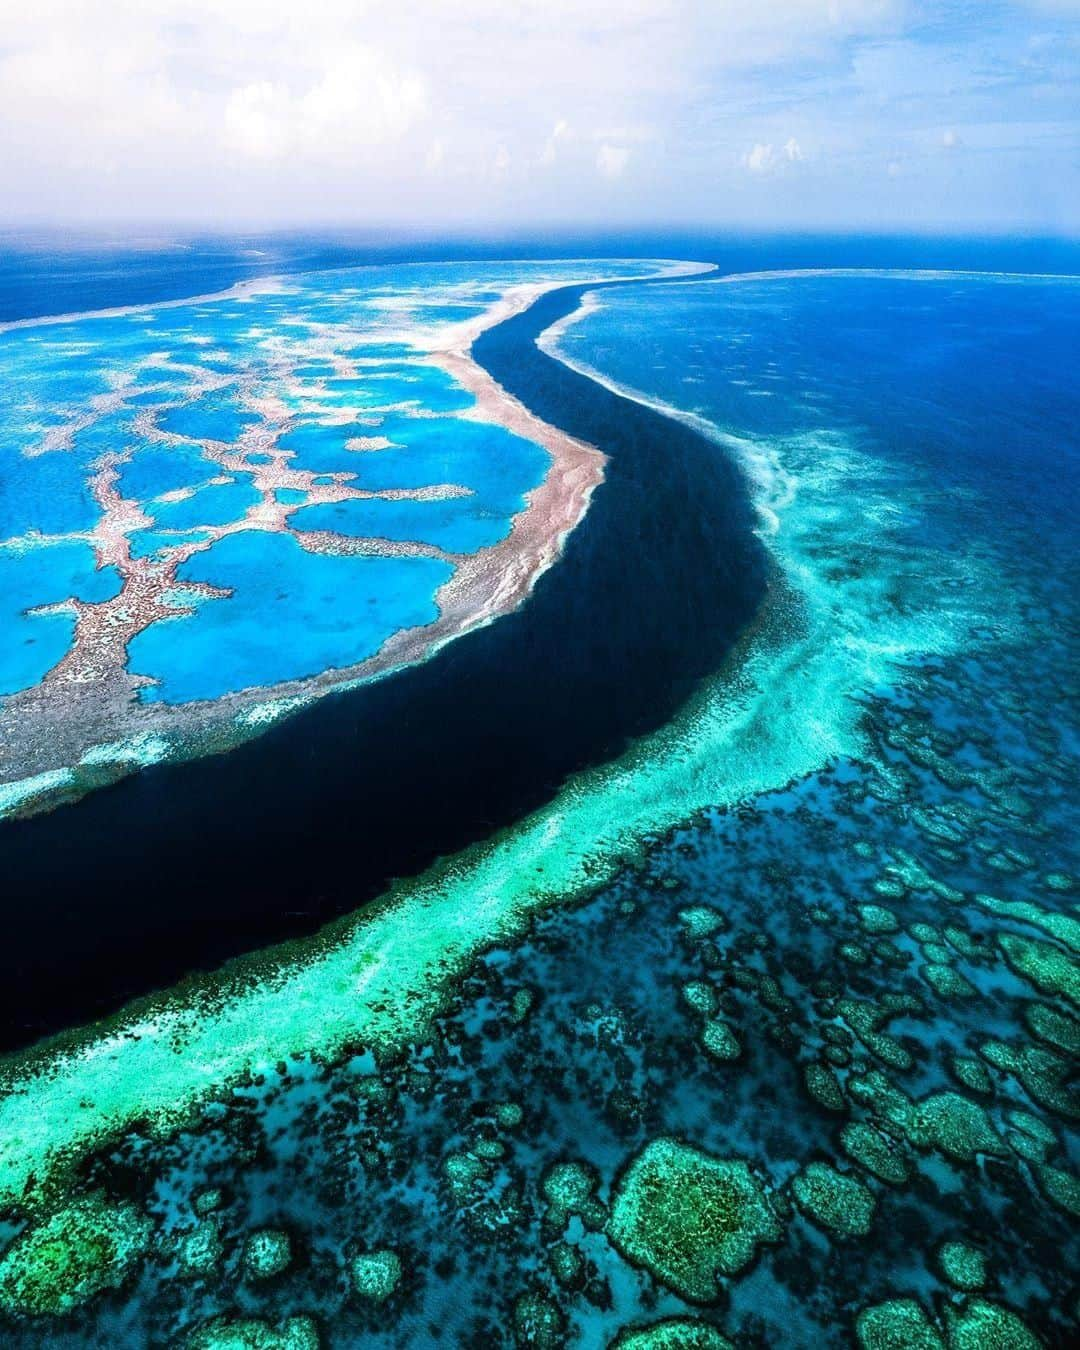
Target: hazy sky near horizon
{"points": [[843, 113]]}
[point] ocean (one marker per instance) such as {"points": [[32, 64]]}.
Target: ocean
{"points": [[687, 956]]}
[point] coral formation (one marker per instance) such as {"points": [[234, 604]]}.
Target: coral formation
{"points": [[689, 1218]]}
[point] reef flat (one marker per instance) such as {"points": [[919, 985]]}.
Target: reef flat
{"points": [[215, 511], [763, 1033]]}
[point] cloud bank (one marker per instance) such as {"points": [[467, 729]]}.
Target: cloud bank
{"points": [[839, 112]]}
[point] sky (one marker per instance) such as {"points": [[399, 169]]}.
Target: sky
{"points": [[920, 114]]}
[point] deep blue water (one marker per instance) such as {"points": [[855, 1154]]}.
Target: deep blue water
{"points": [[968, 380]]}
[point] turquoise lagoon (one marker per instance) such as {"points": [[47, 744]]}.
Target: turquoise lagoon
{"points": [[288, 614], [38, 578]]}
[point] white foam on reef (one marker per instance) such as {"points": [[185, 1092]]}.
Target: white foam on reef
{"points": [[458, 336], [144, 749], [14, 795], [262, 714]]}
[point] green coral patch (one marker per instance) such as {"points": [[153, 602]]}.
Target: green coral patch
{"points": [[947, 982], [955, 1125], [254, 1333], [1057, 1028], [77, 1252], [1043, 965], [570, 1188], [720, 1041], [834, 1200], [873, 1151], [1061, 926], [674, 1333], [538, 1323], [701, 921], [267, 1253], [201, 1250], [1060, 1188], [1046, 1076], [866, 1020], [981, 1325], [375, 1275], [822, 1086], [899, 1324], [946, 1121], [878, 919], [567, 1265], [971, 1073], [689, 1217], [700, 996], [963, 1266]]}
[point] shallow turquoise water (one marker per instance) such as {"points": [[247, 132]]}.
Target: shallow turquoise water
{"points": [[161, 468], [458, 525], [379, 386], [33, 643], [49, 494], [491, 461], [149, 543], [107, 434], [209, 418], [291, 614], [216, 504], [496, 466]]}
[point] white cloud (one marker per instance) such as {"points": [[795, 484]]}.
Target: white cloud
{"points": [[766, 158], [559, 132], [359, 101], [182, 99], [436, 155], [612, 160], [760, 159], [405, 109], [253, 124], [362, 98]]}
